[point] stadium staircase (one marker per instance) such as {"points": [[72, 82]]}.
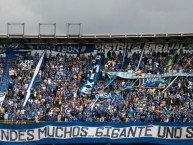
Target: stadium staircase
{"points": [[10, 62], [170, 60]]}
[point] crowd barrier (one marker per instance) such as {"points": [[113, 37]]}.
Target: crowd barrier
{"points": [[18, 122]]}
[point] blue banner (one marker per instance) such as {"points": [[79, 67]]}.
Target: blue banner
{"points": [[101, 132], [11, 50], [64, 48], [112, 96], [151, 80], [89, 84], [104, 95]]}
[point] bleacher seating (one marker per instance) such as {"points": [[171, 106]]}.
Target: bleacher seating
{"points": [[56, 93]]}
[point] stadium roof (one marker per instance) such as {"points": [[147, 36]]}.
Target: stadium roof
{"points": [[98, 38]]}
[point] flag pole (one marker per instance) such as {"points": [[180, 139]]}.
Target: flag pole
{"points": [[140, 60], [170, 84], [110, 81]]}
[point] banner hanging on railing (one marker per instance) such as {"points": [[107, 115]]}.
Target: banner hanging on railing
{"points": [[77, 132], [145, 46], [64, 48], [129, 75], [75, 48]]}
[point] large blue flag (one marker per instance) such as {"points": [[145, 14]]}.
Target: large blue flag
{"points": [[90, 82], [10, 56]]}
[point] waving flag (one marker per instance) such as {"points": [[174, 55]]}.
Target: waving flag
{"points": [[89, 84], [28, 91]]}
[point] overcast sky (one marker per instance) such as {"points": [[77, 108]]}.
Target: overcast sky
{"points": [[99, 16]]}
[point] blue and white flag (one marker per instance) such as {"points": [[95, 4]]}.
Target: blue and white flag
{"points": [[28, 91], [89, 84], [151, 80], [104, 95], [10, 55]]}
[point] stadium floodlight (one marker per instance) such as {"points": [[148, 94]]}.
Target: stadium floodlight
{"points": [[74, 29], [47, 29], [15, 29]]}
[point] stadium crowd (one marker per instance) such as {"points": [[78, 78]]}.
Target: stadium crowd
{"points": [[56, 94]]}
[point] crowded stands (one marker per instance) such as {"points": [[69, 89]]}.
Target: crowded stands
{"points": [[57, 92]]}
